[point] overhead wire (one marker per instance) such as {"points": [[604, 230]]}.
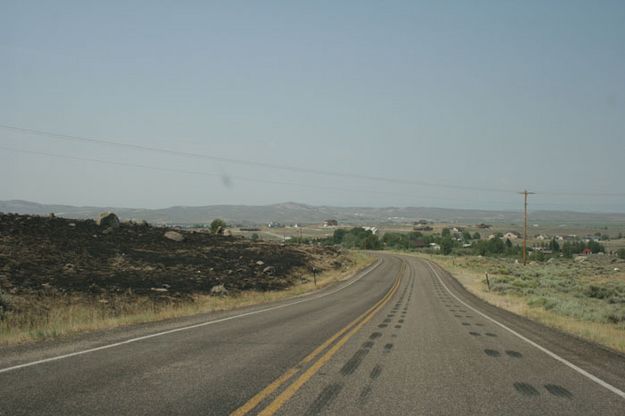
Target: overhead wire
{"points": [[291, 168], [218, 175]]}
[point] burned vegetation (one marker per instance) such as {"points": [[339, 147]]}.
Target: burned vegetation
{"points": [[55, 256]]}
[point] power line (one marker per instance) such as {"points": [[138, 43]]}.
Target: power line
{"points": [[218, 175], [91, 140], [200, 173], [247, 162]]}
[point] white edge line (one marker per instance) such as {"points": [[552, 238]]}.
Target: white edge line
{"points": [[532, 343], [186, 328]]}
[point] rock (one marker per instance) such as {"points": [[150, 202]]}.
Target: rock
{"points": [[227, 233], [551, 260], [158, 289], [107, 230], [69, 268], [108, 219], [580, 259], [72, 224], [174, 236], [260, 263], [269, 270], [219, 290]]}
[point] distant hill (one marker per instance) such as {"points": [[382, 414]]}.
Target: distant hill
{"points": [[291, 212]]}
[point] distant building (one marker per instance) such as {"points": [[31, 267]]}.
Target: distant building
{"points": [[330, 223], [510, 236], [373, 230], [586, 251]]}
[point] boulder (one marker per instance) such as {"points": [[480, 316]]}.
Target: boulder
{"points": [[219, 290], [269, 270], [108, 220], [174, 236]]}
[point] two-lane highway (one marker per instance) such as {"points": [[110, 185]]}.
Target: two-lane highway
{"points": [[401, 338]]}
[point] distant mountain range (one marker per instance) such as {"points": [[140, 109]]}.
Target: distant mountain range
{"points": [[291, 212]]}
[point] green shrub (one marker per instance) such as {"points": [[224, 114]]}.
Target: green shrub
{"points": [[216, 224]]}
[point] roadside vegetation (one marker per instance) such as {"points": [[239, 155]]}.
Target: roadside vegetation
{"points": [[585, 298]]}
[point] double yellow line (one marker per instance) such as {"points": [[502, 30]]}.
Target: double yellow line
{"points": [[346, 333]]}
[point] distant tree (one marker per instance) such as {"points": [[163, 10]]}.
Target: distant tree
{"points": [[476, 236], [621, 253], [255, 237], [216, 224], [596, 247], [339, 234], [496, 246], [620, 235], [499, 235], [466, 236], [447, 246], [508, 243], [446, 232], [605, 237], [554, 245]]}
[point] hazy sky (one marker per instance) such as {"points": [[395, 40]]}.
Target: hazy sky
{"points": [[482, 94]]}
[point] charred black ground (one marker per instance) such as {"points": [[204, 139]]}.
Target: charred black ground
{"points": [[39, 254]]}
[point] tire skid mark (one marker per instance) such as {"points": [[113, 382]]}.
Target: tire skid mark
{"points": [[327, 396], [558, 391], [364, 394], [492, 353], [353, 363], [526, 389], [375, 372]]}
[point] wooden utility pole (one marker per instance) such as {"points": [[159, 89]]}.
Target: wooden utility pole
{"points": [[525, 194]]}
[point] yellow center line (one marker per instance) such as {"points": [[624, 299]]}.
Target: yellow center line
{"points": [[267, 391], [290, 391]]}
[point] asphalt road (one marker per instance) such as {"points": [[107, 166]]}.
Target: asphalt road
{"points": [[403, 338]]}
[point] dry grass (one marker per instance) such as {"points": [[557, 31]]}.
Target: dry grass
{"points": [[472, 278], [56, 315]]}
